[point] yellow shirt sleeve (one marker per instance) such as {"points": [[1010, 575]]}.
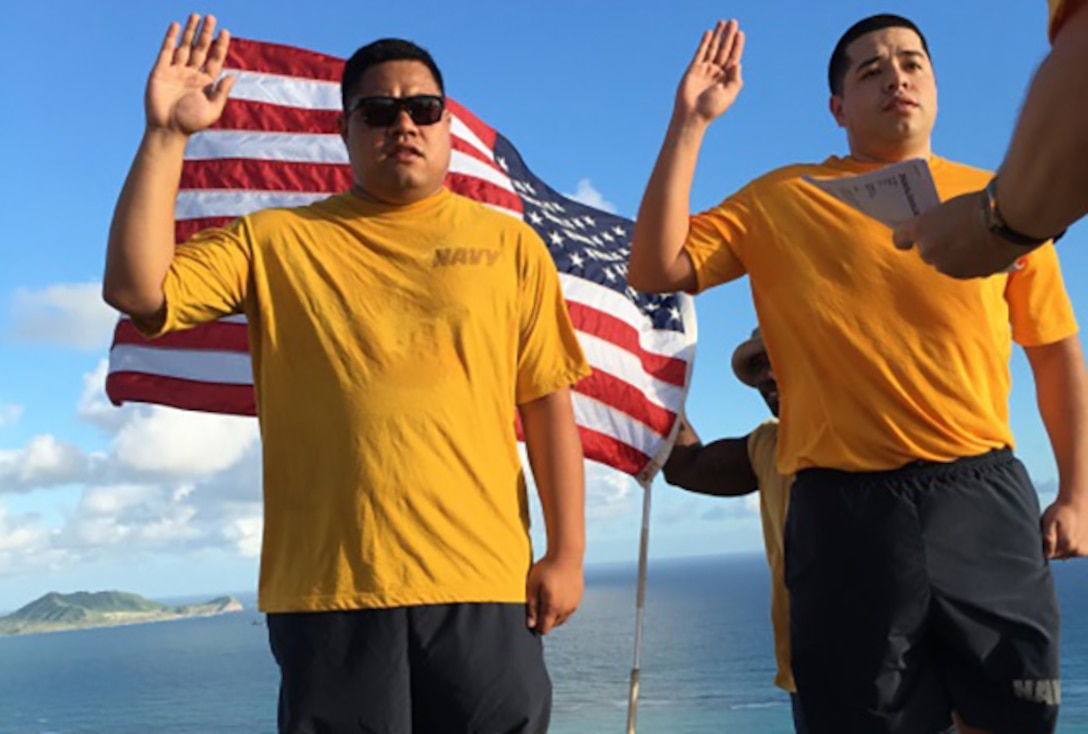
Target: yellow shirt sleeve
{"points": [[716, 237], [1039, 307], [208, 279], [549, 355]]}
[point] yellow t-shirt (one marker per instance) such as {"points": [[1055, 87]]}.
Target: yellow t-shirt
{"points": [[880, 360], [774, 497], [390, 347]]}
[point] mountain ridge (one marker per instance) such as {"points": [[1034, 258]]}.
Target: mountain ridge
{"points": [[56, 612]]}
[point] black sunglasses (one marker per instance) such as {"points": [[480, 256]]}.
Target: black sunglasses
{"points": [[424, 109]]}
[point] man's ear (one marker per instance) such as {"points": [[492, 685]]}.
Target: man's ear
{"points": [[835, 105], [342, 126]]}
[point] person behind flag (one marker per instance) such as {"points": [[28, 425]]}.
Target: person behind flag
{"points": [[731, 467], [396, 331], [917, 572], [1041, 188]]}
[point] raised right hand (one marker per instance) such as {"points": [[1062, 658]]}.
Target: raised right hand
{"points": [[713, 80], [184, 93]]}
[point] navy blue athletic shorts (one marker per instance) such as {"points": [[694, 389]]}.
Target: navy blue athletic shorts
{"points": [[918, 592], [439, 669]]}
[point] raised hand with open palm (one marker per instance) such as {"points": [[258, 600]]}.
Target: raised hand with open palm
{"points": [[709, 87], [184, 92], [713, 79]]}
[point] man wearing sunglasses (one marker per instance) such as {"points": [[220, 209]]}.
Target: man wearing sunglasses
{"points": [[396, 332], [918, 576]]}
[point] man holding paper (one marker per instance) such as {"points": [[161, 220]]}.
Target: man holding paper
{"points": [[1042, 186], [918, 579]]}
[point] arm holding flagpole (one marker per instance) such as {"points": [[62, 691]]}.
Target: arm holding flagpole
{"points": [[722, 468], [183, 97], [710, 86]]}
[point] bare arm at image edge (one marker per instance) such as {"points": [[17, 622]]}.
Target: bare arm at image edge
{"points": [[1043, 183], [1042, 186]]}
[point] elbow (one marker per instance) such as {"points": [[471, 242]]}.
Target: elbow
{"points": [[650, 272], [646, 280], [643, 277], [637, 279], [132, 303], [639, 273], [113, 297], [682, 475]]}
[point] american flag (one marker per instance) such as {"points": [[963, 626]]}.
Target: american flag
{"points": [[277, 145]]}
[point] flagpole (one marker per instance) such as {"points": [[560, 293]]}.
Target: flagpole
{"points": [[640, 604], [645, 479]]}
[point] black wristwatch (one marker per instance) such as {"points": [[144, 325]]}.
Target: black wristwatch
{"points": [[991, 215]]}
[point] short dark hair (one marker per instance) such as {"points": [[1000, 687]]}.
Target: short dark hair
{"points": [[379, 52], [840, 62]]}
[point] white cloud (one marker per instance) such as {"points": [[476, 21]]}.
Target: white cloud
{"points": [[99, 501], [66, 314], [172, 482], [21, 534], [10, 414], [169, 441], [588, 195], [149, 444], [140, 516], [118, 523], [43, 462], [733, 507], [26, 546], [95, 408], [245, 534], [610, 494]]}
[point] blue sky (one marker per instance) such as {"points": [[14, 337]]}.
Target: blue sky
{"points": [[166, 503]]}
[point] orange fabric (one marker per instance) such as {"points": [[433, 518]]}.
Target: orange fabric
{"points": [[390, 347], [880, 360], [774, 498]]}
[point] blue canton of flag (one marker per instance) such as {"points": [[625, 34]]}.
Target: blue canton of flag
{"points": [[584, 241]]}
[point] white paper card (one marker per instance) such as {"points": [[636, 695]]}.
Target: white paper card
{"points": [[891, 195]]}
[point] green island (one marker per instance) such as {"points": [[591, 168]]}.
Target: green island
{"points": [[56, 612]]}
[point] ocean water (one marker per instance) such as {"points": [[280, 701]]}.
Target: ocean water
{"points": [[707, 664]]}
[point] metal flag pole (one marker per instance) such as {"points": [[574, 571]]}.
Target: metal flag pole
{"points": [[640, 604], [645, 479]]}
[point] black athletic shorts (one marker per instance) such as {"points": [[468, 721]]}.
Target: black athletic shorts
{"points": [[441, 669], [920, 591]]}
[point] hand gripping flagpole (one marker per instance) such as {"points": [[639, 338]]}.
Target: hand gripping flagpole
{"points": [[640, 604]]}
